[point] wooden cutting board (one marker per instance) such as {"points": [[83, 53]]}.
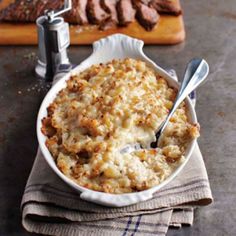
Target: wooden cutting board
{"points": [[169, 30]]}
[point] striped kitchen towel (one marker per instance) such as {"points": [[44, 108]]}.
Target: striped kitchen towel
{"points": [[50, 207]]}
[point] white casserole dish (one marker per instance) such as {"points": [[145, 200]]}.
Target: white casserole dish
{"points": [[117, 46]]}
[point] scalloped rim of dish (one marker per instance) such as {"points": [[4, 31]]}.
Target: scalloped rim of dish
{"points": [[116, 46]]}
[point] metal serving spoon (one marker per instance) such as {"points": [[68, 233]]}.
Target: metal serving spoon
{"points": [[195, 73]]}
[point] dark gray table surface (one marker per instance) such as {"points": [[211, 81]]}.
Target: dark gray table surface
{"points": [[211, 34]]}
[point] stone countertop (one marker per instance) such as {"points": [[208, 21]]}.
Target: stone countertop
{"points": [[211, 34]]}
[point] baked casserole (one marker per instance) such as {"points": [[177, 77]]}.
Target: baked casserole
{"points": [[106, 107]]}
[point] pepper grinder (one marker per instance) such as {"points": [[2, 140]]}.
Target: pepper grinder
{"points": [[53, 41]]}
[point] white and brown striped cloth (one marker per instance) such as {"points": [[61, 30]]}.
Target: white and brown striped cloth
{"points": [[51, 207]]}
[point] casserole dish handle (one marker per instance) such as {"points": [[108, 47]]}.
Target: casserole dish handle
{"points": [[116, 46], [116, 200]]}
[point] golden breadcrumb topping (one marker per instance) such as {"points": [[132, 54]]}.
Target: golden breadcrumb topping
{"points": [[106, 107]]}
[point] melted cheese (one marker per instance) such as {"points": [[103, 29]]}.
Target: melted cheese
{"points": [[107, 107]]}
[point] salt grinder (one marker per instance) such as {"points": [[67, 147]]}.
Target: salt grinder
{"points": [[53, 41]]}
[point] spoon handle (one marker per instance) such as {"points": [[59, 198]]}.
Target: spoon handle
{"points": [[195, 73]]}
